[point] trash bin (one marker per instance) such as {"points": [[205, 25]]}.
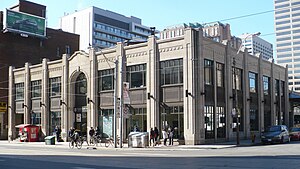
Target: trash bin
{"points": [[138, 139], [50, 140]]}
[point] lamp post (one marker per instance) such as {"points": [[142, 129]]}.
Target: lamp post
{"points": [[235, 110]]}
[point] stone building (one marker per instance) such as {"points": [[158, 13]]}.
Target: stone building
{"points": [[186, 82]]}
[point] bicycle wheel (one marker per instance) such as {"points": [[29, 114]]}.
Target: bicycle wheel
{"points": [[79, 144], [71, 144], [92, 141]]}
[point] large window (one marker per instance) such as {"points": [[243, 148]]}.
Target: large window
{"points": [[171, 72], [220, 75], [55, 86], [208, 72], [139, 119], [105, 121], [252, 82], [254, 120], [172, 116], [19, 91], [136, 75], [35, 118], [237, 80], [266, 83], [36, 88], [55, 120], [209, 122], [106, 79]]}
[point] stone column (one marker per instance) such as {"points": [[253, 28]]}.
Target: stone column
{"points": [[27, 94], [246, 94], [152, 84], [92, 88], [286, 98], [45, 98], [228, 90], [260, 90], [193, 86], [272, 93], [64, 98], [11, 105]]}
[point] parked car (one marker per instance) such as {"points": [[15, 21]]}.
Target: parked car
{"points": [[295, 133], [275, 134]]}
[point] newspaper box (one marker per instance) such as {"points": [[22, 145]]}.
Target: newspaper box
{"points": [[28, 132], [138, 139]]}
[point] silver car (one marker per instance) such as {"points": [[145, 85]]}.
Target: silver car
{"points": [[275, 134]]}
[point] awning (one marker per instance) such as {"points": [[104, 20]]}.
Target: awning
{"points": [[22, 125]]}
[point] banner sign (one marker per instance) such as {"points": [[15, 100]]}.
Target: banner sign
{"points": [[23, 23]]}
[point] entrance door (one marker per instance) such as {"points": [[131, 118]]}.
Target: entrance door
{"points": [[80, 109]]}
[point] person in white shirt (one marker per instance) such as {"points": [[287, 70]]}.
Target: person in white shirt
{"points": [[165, 136]]}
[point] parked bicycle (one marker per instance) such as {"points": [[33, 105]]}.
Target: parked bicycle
{"points": [[110, 141], [76, 141], [95, 140]]}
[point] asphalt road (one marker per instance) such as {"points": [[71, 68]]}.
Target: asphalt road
{"points": [[27, 156]]}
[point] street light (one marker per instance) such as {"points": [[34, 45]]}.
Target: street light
{"points": [[235, 110]]}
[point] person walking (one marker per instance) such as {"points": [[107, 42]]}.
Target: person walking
{"points": [[57, 133], [152, 137], [156, 135], [171, 134], [165, 136]]}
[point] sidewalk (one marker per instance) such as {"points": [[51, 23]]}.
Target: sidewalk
{"points": [[222, 145]]}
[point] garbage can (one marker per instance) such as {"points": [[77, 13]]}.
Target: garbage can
{"points": [[138, 139], [50, 140]]}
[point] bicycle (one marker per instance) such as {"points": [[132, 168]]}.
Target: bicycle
{"points": [[95, 140], [110, 141], [75, 143]]}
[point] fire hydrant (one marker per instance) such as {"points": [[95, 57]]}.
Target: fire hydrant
{"points": [[253, 136]]}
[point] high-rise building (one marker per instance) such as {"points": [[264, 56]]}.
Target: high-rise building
{"points": [[257, 45], [287, 28], [103, 28]]}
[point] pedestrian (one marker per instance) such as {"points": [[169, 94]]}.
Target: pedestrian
{"points": [[156, 135], [57, 133], [171, 134], [152, 137], [71, 133], [165, 136]]}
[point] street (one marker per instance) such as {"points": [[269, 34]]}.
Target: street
{"points": [[37, 156]]}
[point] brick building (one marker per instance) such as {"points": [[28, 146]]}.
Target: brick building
{"points": [[16, 48]]}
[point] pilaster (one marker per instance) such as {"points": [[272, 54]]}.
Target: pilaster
{"points": [[11, 105], [45, 98]]}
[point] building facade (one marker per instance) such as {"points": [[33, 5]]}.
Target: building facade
{"points": [[216, 31], [16, 50], [103, 28], [287, 28], [257, 46], [186, 82]]}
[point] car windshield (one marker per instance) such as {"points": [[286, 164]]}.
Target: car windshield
{"points": [[295, 129], [274, 128]]}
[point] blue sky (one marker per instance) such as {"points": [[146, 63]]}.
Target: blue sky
{"points": [[163, 13]]}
